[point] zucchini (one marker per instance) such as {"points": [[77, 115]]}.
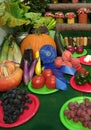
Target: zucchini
{"points": [[59, 45]]}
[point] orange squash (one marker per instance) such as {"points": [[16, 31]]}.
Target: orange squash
{"points": [[10, 75], [35, 42]]}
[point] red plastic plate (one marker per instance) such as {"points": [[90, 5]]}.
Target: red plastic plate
{"points": [[83, 62], [28, 114], [83, 88]]}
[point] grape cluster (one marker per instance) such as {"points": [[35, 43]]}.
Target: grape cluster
{"points": [[14, 102], [80, 112]]}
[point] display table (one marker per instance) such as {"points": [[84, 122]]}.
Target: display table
{"points": [[47, 117]]}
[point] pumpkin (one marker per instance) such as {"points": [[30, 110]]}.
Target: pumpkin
{"points": [[10, 75], [35, 42]]}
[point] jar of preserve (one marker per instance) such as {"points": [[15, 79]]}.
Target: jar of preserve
{"points": [[59, 16], [83, 15], [49, 14], [70, 17], [74, 1], [54, 1], [64, 1]]}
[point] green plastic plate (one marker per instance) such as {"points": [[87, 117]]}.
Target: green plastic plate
{"points": [[79, 55], [70, 124], [43, 90]]}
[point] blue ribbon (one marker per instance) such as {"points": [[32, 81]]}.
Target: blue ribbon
{"points": [[67, 70], [61, 81], [61, 85]]}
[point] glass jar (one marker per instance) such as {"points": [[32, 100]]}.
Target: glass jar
{"points": [[64, 1], [54, 1], [74, 1], [82, 18]]}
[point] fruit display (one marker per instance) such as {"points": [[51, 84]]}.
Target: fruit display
{"points": [[79, 112], [36, 56], [46, 78], [67, 60], [14, 102]]}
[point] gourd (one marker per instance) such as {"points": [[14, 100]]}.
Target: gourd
{"points": [[10, 75], [36, 41]]}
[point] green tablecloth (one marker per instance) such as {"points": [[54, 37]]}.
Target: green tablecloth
{"points": [[47, 117]]}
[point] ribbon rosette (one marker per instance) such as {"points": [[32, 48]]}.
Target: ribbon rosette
{"points": [[61, 81], [47, 55]]}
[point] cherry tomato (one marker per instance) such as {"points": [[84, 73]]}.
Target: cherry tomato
{"points": [[51, 82], [38, 81], [47, 72]]}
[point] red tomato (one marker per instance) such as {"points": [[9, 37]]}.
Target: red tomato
{"points": [[38, 81], [51, 82], [47, 72]]}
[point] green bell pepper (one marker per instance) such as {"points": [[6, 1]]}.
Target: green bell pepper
{"points": [[89, 77], [81, 78]]}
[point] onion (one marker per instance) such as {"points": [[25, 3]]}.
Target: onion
{"points": [[71, 49], [79, 49]]}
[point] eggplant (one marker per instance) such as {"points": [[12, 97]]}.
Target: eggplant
{"points": [[60, 48], [32, 68], [26, 72], [28, 55]]}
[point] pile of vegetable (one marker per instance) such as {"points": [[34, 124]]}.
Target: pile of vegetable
{"points": [[16, 13], [10, 50], [78, 49]]}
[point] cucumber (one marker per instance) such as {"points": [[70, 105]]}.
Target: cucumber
{"points": [[59, 45]]}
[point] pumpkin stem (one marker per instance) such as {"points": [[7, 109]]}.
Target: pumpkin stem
{"points": [[41, 30]]}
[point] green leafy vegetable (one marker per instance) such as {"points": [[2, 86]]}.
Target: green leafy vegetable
{"points": [[13, 14]]}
